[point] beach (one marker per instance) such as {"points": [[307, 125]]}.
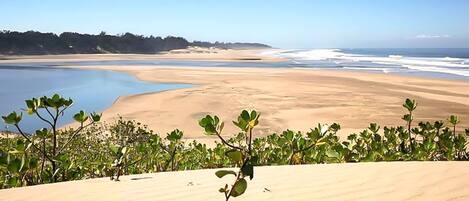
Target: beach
{"points": [[295, 99], [287, 98], [192, 53]]}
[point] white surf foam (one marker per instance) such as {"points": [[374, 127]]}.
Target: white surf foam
{"points": [[456, 66]]}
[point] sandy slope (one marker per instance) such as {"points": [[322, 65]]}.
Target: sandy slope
{"points": [[364, 181]]}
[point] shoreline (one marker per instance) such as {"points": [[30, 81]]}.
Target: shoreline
{"points": [[288, 98], [245, 55]]}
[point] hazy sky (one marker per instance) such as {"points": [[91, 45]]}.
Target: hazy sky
{"points": [[286, 24]]}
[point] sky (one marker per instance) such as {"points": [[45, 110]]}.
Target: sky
{"points": [[282, 24]]}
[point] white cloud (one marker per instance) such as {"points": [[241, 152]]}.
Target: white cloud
{"points": [[426, 36]]}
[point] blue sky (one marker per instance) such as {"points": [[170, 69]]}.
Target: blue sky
{"points": [[285, 24]]}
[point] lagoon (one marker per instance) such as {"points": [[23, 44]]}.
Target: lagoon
{"points": [[91, 90]]}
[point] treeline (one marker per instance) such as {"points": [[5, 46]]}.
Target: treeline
{"points": [[37, 43]]}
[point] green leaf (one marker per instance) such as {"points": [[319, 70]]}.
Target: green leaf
{"points": [[407, 118], [374, 127], [175, 135], [245, 115], [209, 124], [95, 117], [248, 170], [31, 106], [410, 105], [14, 166], [12, 118], [234, 155], [42, 133], [80, 117], [33, 163], [20, 145], [332, 154], [3, 158], [239, 188], [253, 115], [114, 149], [222, 173], [13, 182], [453, 119]]}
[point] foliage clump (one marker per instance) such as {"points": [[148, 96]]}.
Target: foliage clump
{"points": [[96, 149]]}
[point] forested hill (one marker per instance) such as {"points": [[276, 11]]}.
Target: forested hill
{"points": [[37, 43]]}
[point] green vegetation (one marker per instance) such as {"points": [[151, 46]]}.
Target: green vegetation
{"points": [[37, 43], [94, 149], [240, 153]]}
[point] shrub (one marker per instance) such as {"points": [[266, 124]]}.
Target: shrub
{"points": [[49, 149], [240, 154]]}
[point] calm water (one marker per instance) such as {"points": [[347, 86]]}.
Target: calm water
{"points": [[91, 90]]}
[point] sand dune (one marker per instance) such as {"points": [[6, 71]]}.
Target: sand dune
{"points": [[360, 181]]}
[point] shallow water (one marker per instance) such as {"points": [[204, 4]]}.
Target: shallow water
{"points": [[91, 90]]}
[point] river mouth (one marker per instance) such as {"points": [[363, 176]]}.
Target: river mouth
{"points": [[91, 90]]}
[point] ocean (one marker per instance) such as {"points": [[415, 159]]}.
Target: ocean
{"points": [[450, 63]]}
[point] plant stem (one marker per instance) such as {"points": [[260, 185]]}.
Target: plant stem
{"points": [[250, 142], [454, 130], [43, 157], [410, 132]]}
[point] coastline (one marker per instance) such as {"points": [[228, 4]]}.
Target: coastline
{"points": [[288, 98]]}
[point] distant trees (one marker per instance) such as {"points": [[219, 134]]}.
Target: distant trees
{"points": [[32, 42], [36, 43]]}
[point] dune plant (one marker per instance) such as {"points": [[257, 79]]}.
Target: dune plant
{"points": [[120, 154], [453, 120], [49, 110], [297, 144], [172, 148], [240, 155], [130, 143], [410, 105]]}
